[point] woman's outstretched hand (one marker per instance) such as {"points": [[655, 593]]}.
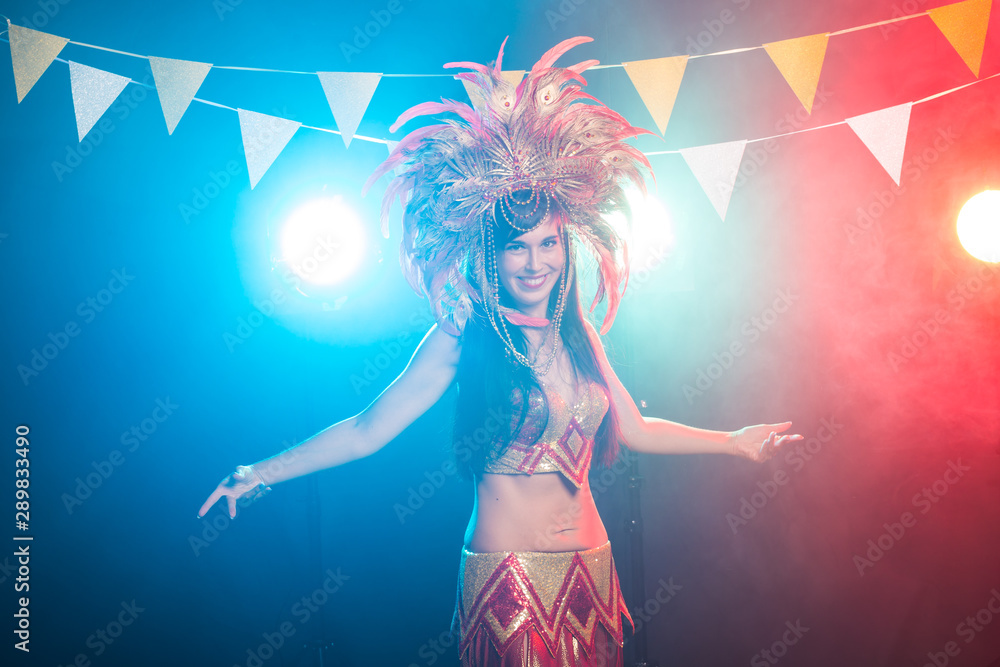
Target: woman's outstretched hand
{"points": [[246, 481], [759, 443]]}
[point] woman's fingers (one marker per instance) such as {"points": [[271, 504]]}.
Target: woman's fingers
{"points": [[211, 501], [233, 488]]}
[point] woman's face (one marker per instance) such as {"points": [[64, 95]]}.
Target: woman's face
{"points": [[529, 266]]}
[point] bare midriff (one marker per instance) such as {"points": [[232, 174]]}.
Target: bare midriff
{"points": [[540, 512]]}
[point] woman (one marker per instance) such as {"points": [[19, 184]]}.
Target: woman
{"points": [[494, 207]]}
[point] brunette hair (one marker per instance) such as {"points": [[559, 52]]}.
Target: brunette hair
{"points": [[493, 387]]}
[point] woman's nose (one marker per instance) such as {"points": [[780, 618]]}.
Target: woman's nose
{"points": [[533, 259]]}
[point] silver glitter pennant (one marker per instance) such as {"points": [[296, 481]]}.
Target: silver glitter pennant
{"points": [[348, 94], [93, 92], [31, 53], [177, 81], [264, 137]]}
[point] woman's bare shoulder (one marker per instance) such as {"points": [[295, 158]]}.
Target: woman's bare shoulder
{"points": [[440, 345]]}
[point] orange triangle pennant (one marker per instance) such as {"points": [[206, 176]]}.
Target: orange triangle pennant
{"points": [[657, 81], [964, 25], [800, 61]]}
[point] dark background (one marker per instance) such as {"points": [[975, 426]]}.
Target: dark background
{"points": [[858, 297]]}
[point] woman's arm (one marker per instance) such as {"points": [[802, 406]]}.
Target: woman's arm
{"points": [[425, 379], [659, 436]]}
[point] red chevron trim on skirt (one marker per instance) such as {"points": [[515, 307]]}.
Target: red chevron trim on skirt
{"points": [[540, 608]]}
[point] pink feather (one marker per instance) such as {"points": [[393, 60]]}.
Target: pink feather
{"points": [[428, 108]]}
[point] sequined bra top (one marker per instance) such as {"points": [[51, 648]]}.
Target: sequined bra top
{"points": [[567, 443]]}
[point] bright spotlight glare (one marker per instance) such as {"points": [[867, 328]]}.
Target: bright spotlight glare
{"points": [[979, 226], [323, 241], [651, 237]]}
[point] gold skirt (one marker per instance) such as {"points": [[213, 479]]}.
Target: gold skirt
{"points": [[540, 608]]}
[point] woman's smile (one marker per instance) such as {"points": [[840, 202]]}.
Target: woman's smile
{"points": [[533, 282]]}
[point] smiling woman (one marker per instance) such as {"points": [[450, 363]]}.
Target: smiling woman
{"points": [[494, 206], [531, 263]]}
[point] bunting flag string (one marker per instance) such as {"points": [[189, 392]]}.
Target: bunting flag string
{"points": [[799, 60], [964, 24]]}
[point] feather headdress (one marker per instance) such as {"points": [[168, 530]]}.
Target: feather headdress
{"points": [[539, 136]]}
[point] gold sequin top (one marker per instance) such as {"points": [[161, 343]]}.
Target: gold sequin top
{"points": [[567, 443]]}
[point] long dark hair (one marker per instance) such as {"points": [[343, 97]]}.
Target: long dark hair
{"points": [[493, 387]]}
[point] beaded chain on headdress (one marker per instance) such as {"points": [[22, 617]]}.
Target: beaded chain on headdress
{"points": [[493, 298], [523, 149]]}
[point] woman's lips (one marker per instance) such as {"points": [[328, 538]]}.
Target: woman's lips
{"points": [[533, 282]]}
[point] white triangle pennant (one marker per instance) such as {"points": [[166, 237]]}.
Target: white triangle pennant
{"points": [[716, 167], [348, 94], [264, 137], [31, 53], [93, 92], [884, 133], [177, 81]]}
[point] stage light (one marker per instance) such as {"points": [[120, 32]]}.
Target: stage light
{"points": [[979, 226], [651, 236], [322, 242]]}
